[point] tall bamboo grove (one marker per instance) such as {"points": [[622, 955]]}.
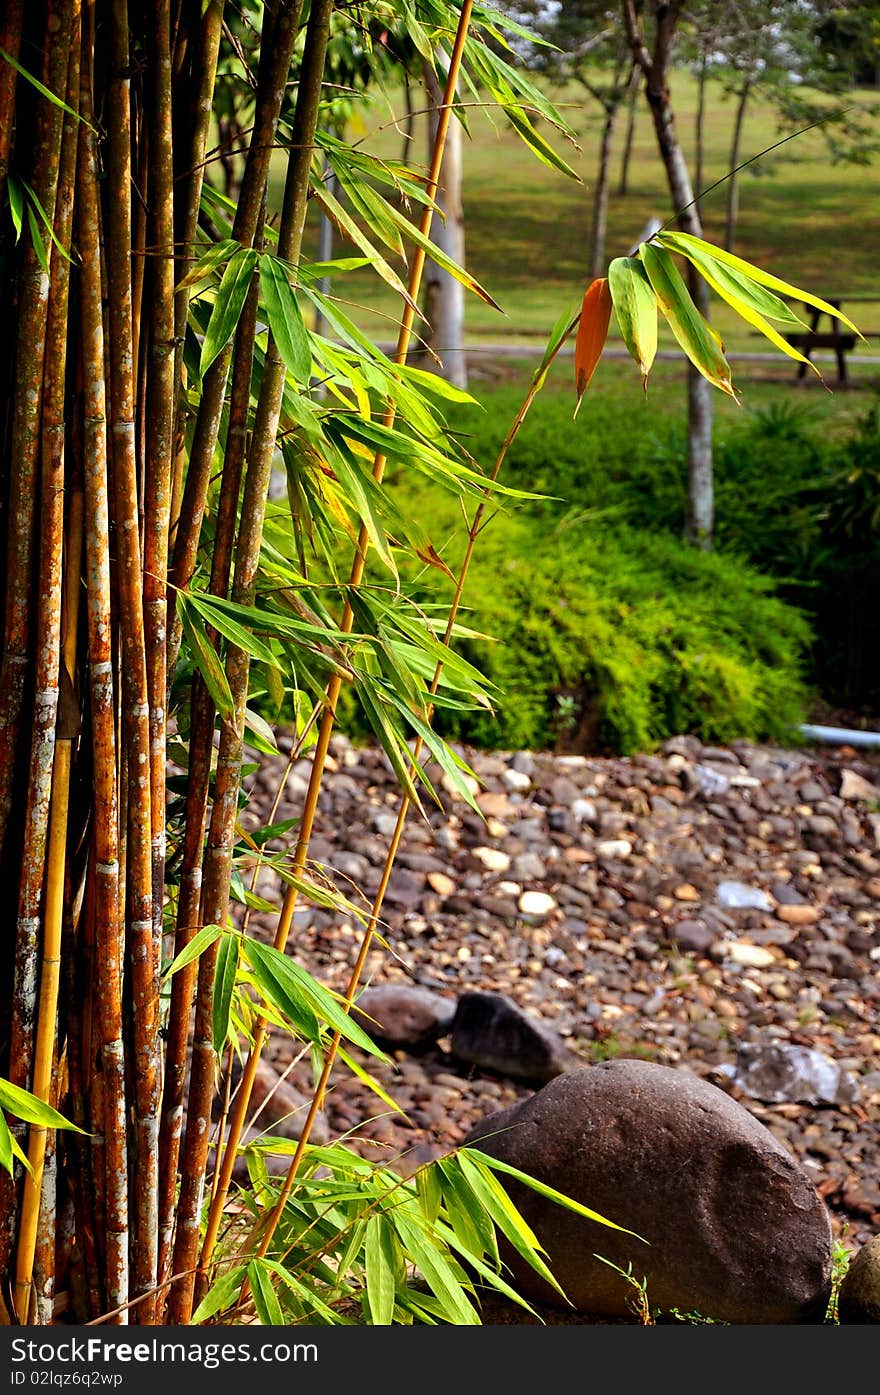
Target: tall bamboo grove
{"points": [[157, 363]]}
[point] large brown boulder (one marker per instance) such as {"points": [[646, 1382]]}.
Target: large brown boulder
{"points": [[492, 1032], [736, 1231]]}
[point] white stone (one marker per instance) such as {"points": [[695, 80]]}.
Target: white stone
{"points": [[748, 955], [516, 780], [493, 859], [614, 848], [536, 903]]}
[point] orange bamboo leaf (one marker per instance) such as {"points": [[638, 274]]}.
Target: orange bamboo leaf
{"points": [[591, 335]]}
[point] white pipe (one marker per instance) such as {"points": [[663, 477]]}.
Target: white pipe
{"points": [[840, 736]]}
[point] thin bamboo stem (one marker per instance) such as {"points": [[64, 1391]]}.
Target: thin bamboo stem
{"points": [[221, 834], [322, 746], [100, 649], [141, 948], [10, 39]]}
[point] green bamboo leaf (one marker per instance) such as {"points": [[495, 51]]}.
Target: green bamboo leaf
{"points": [[764, 278], [492, 1276], [262, 735], [46, 221], [197, 945], [379, 1267], [471, 1223], [219, 618], [733, 285], [282, 989], [224, 987], [9, 1149], [440, 258], [204, 268], [37, 239], [220, 1296], [26, 1106], [206, 658], [16, 203], [536, 142], [684, 319], [231, 295], [495, 1165], [429, 1190], [313, 1303], [369, 1080], [265, 1298], [635, 307], [437, 1271], [285, 319], [326, 1006], [510, 1221], [350, 230], [44, 91]]}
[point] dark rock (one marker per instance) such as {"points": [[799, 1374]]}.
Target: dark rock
{"points": [[736, 1231], [490, 1031], [692, 936], [859, 1297], [396, 1014]]}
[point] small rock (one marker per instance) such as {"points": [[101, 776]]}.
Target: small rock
{"points": [[859, 1297], [398, 1014], [584, 811], [853, 786], [692, 936], [493, 859], [516, 780], [780, 1073], [798, 915], [614, 849], [736, 896], [711, 782], [741, 952], [536, 903], [686, 892], [439, 882], [491, 1031]]}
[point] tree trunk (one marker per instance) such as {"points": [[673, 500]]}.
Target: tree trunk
{"points": [[699, 523], [632, 104], [733, 181], [444, 296], [603, 191], [699, 130]]}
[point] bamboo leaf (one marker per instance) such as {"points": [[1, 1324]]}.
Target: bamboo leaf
{"points": [[220, 1296], [753, 317], [265, 1298], [226, 313], [370, 1081], [635, 307], [285, 319], [37, 238], [224, 987], [26, 1106], [202, 270], [9, 1149], [262, 735], [510, 1221], [495, 1165], [591, 335], [731, 283], [755, 273], [350, 230], [536, 142], [16, 203], [440, 258], [684, 319], [324, 1003], [430, 1193], [206, 658], [44, 91], [436, 1269], [282, 990], [379, 1264], [197, 945], [219, 617], [46, 221]]}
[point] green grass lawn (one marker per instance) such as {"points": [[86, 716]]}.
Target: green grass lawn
{"points": [[808, 220]]}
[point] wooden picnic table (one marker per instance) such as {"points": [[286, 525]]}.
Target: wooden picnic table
{"points": [[838, 337]]}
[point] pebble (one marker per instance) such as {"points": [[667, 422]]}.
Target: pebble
{"points": [[536, 903]]}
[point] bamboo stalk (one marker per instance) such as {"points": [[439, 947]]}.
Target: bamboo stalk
{"points": [[159, 455], [200, 751], [51, 750], [19, 640], [141, 949], [215, 896], [236, 1124], [276, 51], [10, 39], [100, 648]]}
